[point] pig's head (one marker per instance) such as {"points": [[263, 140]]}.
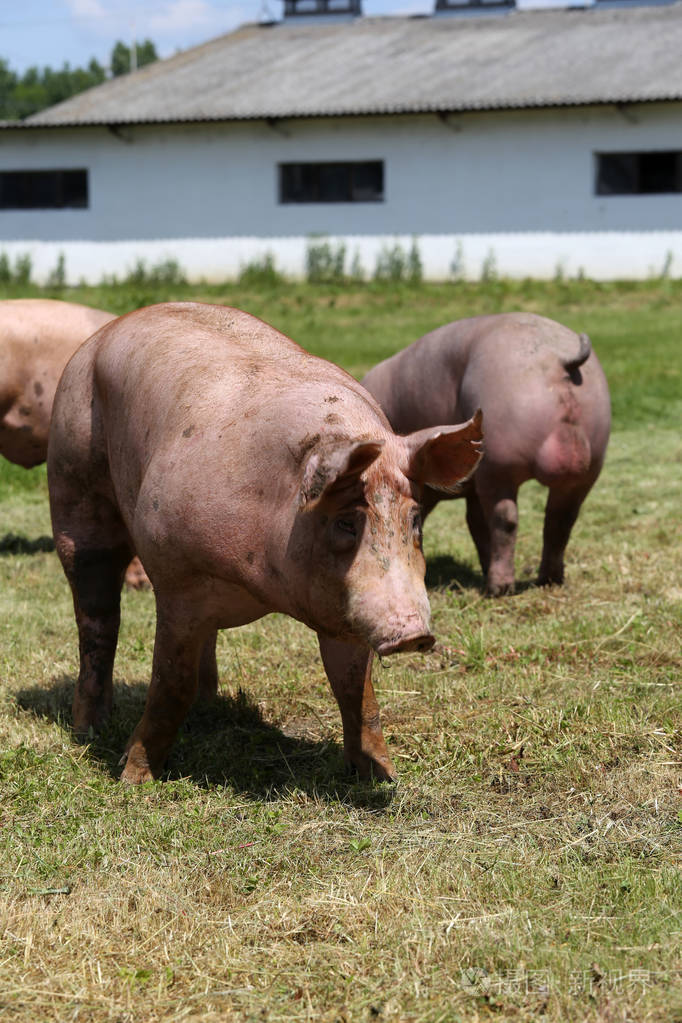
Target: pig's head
{"points": [[358, 537]]}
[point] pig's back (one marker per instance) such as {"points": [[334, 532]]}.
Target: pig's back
{"points": [[207, 353], [419, 386], [175, 382], [48, 327]]}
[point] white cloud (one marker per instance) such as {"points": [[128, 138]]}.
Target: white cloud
{"points": [[169, 23], [86, 8], [193, 16], [181, 15]]}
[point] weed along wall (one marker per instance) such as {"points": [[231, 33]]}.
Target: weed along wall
{"points": [[516, 192]]}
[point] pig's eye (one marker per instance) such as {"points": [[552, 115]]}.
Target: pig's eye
{"points": [[345, 533], [417, 524], [347, 526]]}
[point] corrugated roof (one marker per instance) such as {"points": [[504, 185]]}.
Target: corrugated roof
{"points": [[400, 65]]}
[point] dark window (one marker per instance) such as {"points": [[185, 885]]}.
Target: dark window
{"points": [[43, 190], [331, 182], [294, 7], [462, 5], [639, 173]]}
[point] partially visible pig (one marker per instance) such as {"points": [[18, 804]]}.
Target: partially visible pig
{"points": [[38, 336], [547, 417], [251, 477]]}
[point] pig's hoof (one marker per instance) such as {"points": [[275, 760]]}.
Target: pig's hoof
{"points": [[86, 722], [551, 580], [499, 589], [370, 767], [384, 772], [132, 774], [136, 578], [136, 771], [83, 734]]}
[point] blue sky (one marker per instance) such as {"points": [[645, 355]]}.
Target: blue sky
{"points": [[50, 32]]}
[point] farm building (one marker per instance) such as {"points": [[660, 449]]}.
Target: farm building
{"points": [[534, 142]]}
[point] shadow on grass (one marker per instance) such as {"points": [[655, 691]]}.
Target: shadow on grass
{"points": [[446, 571], [226, 742], [12, 543]]}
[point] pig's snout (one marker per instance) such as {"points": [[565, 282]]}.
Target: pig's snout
{"points": [[412, 634], [422, 642]]}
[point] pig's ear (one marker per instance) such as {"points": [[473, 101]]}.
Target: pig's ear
{"points": [[337, 466], [443, 457]]}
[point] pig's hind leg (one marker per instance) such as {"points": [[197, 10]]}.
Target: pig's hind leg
{"points": [[565, 463], [561, 512], [94, 551]]}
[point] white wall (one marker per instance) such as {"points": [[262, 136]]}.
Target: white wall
{"points": [[517, 185]]}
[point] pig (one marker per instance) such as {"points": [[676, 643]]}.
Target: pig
{"points": [[547, 413], [251, 477], [38, 336]]}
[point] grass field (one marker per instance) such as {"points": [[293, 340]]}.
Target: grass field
{"points": [[527, 865]]}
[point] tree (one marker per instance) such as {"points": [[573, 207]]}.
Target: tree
{"points": [[8, 83], [36, 89], [23, 95], [145, 53]]}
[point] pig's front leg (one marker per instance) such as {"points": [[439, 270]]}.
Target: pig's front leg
{"points": [[208, 670], [177, 651], [498, 504], [478, 527], [349, 670]]}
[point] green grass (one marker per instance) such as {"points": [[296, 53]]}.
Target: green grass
{"points": [[526, 867]]}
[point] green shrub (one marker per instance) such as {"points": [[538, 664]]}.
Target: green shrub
{"points": [[489, 267], [57, 277], [23, 266], [167, 272], [667, 265], [415, 267], [457, 263], [261, 272], [357, 270], [391, 263], [324, 262], [394, 264]]}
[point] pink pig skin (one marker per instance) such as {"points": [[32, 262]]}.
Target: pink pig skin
{"points": [[38, 336], [251, 477], [547, 414]]}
